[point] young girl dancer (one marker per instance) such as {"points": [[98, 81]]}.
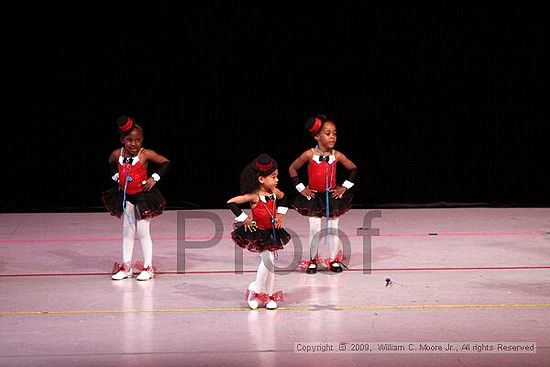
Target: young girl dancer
{"points": [[322, 197], [262, 233], [136, 197]]}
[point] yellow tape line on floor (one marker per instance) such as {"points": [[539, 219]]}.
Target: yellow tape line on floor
{"points": [[290, 308], [491, 305]]}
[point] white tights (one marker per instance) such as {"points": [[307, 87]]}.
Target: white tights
{"points": [[315, 236], [131, 227], [265, 276]]}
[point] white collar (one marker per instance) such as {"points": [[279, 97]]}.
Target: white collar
{"points": [[262, 197], [331, 158], [135, 159]]}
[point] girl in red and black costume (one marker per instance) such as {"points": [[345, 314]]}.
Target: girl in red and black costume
{"points": [[322, 197], [136, 198], [263, 232]]}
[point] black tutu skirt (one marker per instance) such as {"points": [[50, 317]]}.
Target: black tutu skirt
{"points": [[316, 207], [148, 203], [261, 239]]}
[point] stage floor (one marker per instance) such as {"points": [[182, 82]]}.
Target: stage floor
{"points": [[476, 278]]}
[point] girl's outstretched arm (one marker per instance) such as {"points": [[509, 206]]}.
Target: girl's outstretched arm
{"points": [[240, 215]]}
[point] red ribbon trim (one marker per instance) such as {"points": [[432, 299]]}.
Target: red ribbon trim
{"points": [[120, 267], [277, 296], [264, 167], [264, 297], [337, 259], [138, 266], [304, 264]]}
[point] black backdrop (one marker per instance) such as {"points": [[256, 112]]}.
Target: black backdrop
{"points": [[438, 104]]}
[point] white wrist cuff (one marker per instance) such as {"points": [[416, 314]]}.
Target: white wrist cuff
{"points": [[348, 184], [115, 177], [155, 176], [300, 187], [282, 210], [242, 217]]}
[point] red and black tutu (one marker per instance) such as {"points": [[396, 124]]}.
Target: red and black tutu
{"points": [[316, 207], [148, 203], [261, 239]]}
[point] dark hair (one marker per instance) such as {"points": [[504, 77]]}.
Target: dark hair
{"points": [[126, 124], [314, 124], [262, 166]]}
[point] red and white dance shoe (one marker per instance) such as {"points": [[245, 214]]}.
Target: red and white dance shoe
{"points": [[251, 297], [310, 266], [335, 266], [121, 271], [146, 273], [273, 299]]}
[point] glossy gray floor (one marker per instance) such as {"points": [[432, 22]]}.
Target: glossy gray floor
{"points": [[476, 278]]}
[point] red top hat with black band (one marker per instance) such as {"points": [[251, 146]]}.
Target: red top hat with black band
{"points": [[265, 164], [125, 124], [313, 124]]}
